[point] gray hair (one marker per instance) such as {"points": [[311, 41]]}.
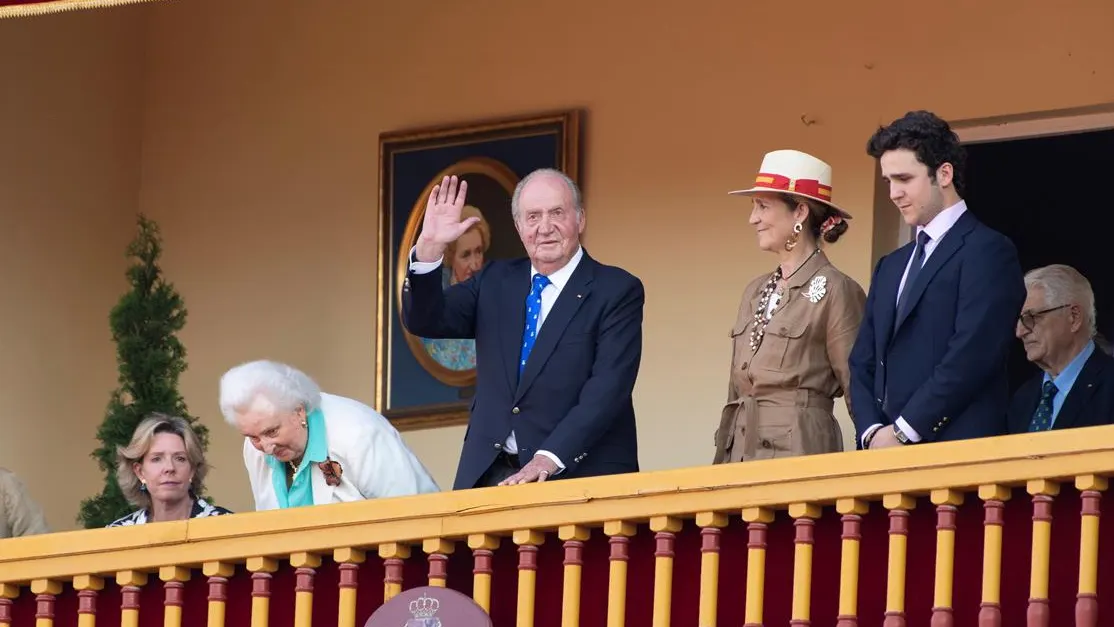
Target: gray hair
{"points": [[136, 450], [285, 386], [574, 191], [1064, 285]]}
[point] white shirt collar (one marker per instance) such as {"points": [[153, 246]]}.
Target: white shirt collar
{"points": [[944, 221], [562, 276]]}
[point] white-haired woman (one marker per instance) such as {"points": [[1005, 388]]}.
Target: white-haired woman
{"points": [[305, 447], [161, 471]]}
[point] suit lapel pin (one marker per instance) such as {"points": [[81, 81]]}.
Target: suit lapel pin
{"points": [[578, 295], [817, 288]]}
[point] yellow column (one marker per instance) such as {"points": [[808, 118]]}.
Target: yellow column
{"points": [[393, 555], [852, 511], [711, 524], [173, 578], [804, 516], [218, 574], [946, 502], [899, 506], [619, 533], [1087, 603], [261, 569], [994, 497], [574, 537], [8, 591], [130, 581], [87, 587], [438, 550], [45, 591], [348, 561], [757, 518], [665, 529], [304, 570], [528, 542], [482, 545], [1042, 492]]}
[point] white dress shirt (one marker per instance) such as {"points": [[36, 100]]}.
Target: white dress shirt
{"points": [[557, 282], [937, 228]]}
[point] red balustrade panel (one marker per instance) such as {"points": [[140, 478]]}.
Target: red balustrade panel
{"points": [[686, 581]]}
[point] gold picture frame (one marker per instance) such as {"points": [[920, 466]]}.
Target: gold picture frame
{"points": [[422, 383], [43, 7]]}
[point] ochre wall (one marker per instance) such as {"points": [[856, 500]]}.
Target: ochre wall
{"points": [[260, 122], [70, 121]]}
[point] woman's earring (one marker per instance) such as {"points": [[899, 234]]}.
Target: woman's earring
{"points": [[791, 243], [143, 486]]}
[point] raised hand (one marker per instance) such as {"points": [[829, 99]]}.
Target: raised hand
{"points": [[441, 224]]}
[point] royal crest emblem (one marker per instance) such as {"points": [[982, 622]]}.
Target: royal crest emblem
{"points": [[424, 610], [817, 289]]}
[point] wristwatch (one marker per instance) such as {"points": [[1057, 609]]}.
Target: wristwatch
{"points": [[900, 435]]}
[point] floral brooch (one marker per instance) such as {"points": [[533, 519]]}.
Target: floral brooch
{"points": [[332, 471], [816, 289]]}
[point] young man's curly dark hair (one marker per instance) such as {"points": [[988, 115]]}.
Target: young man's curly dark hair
{"points": [[929, 137]]}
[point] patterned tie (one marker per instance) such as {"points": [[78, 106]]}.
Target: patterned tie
{"points": [[914, 270], [1042, 418], [533, 308]]}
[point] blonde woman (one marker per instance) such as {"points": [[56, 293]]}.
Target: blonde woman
{"points": [[161, 472]]}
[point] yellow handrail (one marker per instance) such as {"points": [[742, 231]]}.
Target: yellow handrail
{"points": [[822, 479]]}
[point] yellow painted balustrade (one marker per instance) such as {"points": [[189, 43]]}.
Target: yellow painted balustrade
{"points": [[840, 530]]}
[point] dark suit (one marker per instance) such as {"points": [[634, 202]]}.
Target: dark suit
{"points": [[1089, 403], [942, 365], [574, 397]]}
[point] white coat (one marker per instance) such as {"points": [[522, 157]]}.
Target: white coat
{"points": [[375, 462]]}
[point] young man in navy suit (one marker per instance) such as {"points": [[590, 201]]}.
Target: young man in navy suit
{"points": [[1057, 327], [929, 363], [558, 339]]}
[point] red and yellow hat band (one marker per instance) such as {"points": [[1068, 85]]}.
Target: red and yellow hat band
{"points": [[809, 187]]}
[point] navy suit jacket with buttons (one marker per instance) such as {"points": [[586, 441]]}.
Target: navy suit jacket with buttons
{"points": [[942, 366], [574, 398], [1089, 403]]}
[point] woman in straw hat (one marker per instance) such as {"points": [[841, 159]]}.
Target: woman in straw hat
{"points": [[796, 325]]}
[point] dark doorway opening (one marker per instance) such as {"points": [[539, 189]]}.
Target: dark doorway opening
{"points": [[1050, 196]]}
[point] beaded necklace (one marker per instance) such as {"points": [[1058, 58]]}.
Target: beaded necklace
{"points": [[762, 315]]}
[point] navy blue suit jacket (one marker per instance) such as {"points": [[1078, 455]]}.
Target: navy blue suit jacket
{"points": [[575, 396], [1089, 403], [941, 367]]}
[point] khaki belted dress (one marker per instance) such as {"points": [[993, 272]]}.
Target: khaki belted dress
{"points": [[780, 398]]}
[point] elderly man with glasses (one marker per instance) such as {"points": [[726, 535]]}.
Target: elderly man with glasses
{"points": [[1057, 327]]}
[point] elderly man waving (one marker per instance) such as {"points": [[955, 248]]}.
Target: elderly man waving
{"points": [[558, 339]]}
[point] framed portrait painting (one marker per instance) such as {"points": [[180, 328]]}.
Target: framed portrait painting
{"points": [[423, 383]]}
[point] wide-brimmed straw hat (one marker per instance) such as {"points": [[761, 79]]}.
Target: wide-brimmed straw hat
{"points": [[797, 173]]}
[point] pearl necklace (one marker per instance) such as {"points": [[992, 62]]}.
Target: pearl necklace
{"points": [[762, 315]]}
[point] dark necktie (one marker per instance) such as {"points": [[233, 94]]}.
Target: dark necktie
{"points": [[914, 270], [1042, 418], [533, 308]]}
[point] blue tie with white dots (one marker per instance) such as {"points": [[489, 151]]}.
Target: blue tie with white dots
{"points": [[533, 308], [1042, 418]]}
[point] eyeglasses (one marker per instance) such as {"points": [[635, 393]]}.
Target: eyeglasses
{"points": [[1028, 319]]}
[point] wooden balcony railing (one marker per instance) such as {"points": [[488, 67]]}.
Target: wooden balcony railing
{"points": [[1001, 531]]}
